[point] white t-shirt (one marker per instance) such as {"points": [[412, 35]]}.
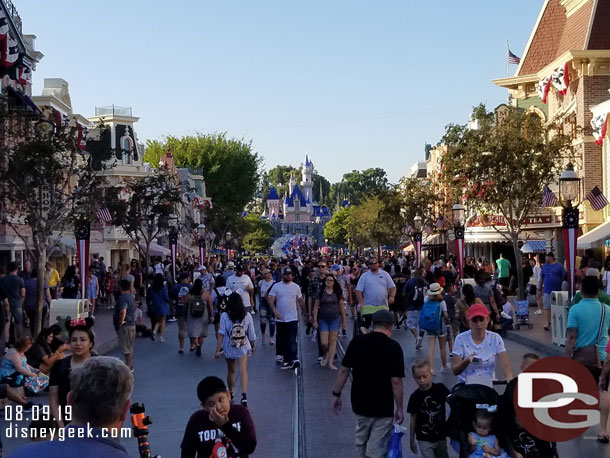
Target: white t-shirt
{"points": [[159, 268], [234, 283], [487, 350], [286, 295], [606, 278], [375, 286], [264, 286]]}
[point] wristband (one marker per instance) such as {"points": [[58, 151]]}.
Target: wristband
{"points": [[337, 394]]}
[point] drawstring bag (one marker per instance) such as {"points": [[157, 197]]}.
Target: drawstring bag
{"points": [[395, 449]]}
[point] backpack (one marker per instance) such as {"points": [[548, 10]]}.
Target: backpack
{"points": [[430, 316], [221, 299], [418, 294], [197, 308], [238, 337]]}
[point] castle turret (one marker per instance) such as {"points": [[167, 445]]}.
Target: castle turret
{"points": [[307, 181]]}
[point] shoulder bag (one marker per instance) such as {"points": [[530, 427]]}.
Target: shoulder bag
{"points": [[588, 355]]}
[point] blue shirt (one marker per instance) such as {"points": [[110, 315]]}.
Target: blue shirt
{"points": [[91, 447], [585, 317], [552, 275]]}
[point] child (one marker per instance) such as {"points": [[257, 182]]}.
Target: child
{"points": [[427, 409], [109, 285], [435, 307], [140, 326], [221, 428], [481, 442], [506, 316]]}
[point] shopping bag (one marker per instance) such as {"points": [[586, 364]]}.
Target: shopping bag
{"points": [[395, 449]]}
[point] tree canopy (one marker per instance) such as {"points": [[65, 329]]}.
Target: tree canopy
{"points": [[358, 185]]}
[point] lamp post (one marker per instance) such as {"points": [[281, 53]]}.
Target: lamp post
{"points": [[82, 234], [228, 238], [417, 240], [459, 219], [202, 241], [173, 240], [569, 197]]}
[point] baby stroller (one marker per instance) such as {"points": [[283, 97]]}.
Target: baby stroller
{"points": [[464, 401], [364, 317], [523, 315]]}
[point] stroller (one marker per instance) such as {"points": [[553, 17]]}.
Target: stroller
{"points": [[465, 400], [523, 314], [364, 318]]}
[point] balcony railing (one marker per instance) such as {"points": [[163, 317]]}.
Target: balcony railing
{"points": [[14, 15], [113, 110]]}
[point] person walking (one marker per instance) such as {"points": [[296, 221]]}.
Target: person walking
{"points": [[124, 319], [237, 339], [158, 302], [199, 312], [93, 290], [242, 284], [414, 293], [52, 279], [375, 290], [503, 271], [551, 276], [376, 363], [328, 317], [14, 288], [178, 295], [266, 314], [70, 284], [283, 299], [30, 303], [434, 319]]}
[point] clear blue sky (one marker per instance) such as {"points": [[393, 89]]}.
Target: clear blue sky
{"points": [[355, 83]]}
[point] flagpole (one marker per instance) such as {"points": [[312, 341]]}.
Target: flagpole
{"points": [[507, 55]]}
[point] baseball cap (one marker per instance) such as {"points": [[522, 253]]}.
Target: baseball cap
{"points": [[335, 267], [202, 268], [383, 316], [266, 271], [286, 270], [550, 254], [231, 264], [592, 272], [240, 267], [477, 310]]}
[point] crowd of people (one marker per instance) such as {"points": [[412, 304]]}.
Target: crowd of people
{"points": [[330, 294]]}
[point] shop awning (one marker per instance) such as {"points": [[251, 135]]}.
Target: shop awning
{"points": [[599, 234], [156, 249], [534, 246], [64, 244]]}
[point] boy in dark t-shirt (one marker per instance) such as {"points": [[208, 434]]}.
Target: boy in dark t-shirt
{"points": [[220, 429], [427, 409]]}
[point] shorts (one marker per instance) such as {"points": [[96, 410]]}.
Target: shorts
{"points": [[265, 312], [17, 314], [372, 437], [546, 301], [413, 319], [596, 373], [127, 336], [433, 449], [181, 323], [504, 281], [329, 325], [438, 333]]}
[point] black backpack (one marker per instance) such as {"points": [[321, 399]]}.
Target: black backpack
{"points": [[197, 307], [221, 301]]}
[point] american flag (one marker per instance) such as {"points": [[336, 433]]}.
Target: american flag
{"points": [[103, 215], [512, 59], [597, 199], [549, 199]]}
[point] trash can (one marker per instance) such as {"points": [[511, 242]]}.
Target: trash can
{"points": [[559, 316]]}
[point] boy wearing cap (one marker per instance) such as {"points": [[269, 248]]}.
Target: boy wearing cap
{"points": [[376, 363]]}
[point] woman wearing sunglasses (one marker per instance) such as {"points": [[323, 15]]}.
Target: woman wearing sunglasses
{"points": [[328, 318], [475, 351]]}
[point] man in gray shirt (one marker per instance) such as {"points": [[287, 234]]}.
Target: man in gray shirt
{"points": [[125, 322], [14, 288], [375, 287]]}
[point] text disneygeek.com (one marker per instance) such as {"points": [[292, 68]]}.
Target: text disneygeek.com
{"points": [[61, 434]]}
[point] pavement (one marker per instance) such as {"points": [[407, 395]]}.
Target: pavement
{"points": [[166, 382], [536, 338]]}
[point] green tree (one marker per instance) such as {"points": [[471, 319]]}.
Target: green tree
{"points": [[258, 235], [501, 168], [46, 181], [426, 198], [230, 167], [357, 186], [317, 181], [337, 229], [279, 176]]}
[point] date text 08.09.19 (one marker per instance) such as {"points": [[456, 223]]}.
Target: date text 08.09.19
{"points": [[38, 413]]}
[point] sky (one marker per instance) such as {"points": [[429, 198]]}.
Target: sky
{"points": [[355, 84]]}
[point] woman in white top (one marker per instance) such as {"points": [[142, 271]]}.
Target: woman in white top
{"points": [[475, 351]]}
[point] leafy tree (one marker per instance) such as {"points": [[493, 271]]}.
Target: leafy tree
{"points": [[279, 176], [45, 181], [357, 186], [258, 234], [142, 208], [317, 180], [426, 198], [230, 167], [337, 229], [501, 168]]}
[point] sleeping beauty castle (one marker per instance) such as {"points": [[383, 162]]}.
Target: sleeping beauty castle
{"points": [[297, 212]]}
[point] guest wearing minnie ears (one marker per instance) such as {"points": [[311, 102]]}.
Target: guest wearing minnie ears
{"points": [[81, 340]]}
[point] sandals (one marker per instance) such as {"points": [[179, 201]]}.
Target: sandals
{"points": [[603, 439]]}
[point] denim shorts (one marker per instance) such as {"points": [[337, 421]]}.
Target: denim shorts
{"points": [[329, 325]]}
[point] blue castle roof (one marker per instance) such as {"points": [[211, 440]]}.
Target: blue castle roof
{"points": [[296, 192], [273, 195]]}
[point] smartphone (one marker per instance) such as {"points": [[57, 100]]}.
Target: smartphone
{"points": [[476, 360]]}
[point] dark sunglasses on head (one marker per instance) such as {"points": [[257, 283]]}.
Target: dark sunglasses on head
{"points": [[478, 319]]}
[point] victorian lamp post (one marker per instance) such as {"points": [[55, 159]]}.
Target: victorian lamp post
{"points": [[417, 240], [202, 241], [459, 219], [228, 238], [569, 197], [173, 241]]}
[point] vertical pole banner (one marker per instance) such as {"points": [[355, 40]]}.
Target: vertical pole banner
{"points": [[173, 242], [201, 251], [459, 243], [570, 218], [417, 239], [82, 234]]}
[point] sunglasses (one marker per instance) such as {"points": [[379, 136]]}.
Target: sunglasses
{"points": [[478, 319], [321, 265]]}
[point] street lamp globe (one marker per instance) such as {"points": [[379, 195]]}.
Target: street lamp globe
{"points": [[459, 214], [228, 236], [569, 185], [417, 223]]}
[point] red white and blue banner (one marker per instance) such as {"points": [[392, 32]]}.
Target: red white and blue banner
{"points": [[599, 124], [82, 234], [570, 238], [559, 79]]}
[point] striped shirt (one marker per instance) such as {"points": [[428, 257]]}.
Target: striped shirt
{"points": [[225, 329]]}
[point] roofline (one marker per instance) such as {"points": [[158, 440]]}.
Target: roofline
{"points": [[529, 42], [591, 19]]}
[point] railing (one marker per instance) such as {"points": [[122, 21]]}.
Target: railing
{"points": [[113, 110], [12, 12]]}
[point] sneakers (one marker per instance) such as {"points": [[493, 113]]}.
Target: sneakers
{"points": [[319, 358], [538, 312], [172, 319], [343, 333], [244, 400], [314, 336], [263, 338], [547, 327], [418, 344], [279, 359], [293, 365], [271, 342], [161, 339], [198, 350]]}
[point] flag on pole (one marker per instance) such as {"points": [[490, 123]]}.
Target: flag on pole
{"points": [[597, 199], [103, 215], [512, 59], [549, 199]]}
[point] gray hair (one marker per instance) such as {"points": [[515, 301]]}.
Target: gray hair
{"points": [[99, 390]]}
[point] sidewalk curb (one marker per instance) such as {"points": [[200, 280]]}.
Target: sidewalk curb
{"points": [[541, 347]]}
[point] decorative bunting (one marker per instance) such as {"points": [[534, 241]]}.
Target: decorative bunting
{"points": [[544, 85], [599, 124], [559, 79]]}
